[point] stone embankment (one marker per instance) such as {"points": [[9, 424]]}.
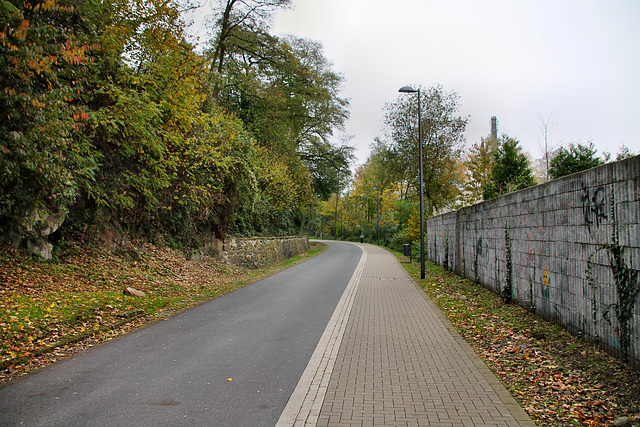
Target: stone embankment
{"points": [[254, 252]]}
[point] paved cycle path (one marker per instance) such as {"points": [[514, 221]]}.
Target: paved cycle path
{"points": [[389, 357], [233, 361]]}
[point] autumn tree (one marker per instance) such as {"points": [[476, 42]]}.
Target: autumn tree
{"points": [[328, 165], [236, 19], [45, 50], [234, 14], [285, 92], [164, 163], [479, 165], [103, 114], [367, 186], [137, 93]]}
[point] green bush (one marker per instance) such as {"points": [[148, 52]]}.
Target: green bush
{"points": [[399, 239]]}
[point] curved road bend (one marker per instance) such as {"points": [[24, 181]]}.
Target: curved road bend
{"points": [[233, 361]]}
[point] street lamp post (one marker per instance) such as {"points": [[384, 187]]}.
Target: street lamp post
{"points": [[378, 190], [409, 89]]}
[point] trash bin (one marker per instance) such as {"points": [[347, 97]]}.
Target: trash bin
{"points": [[406, 250]]}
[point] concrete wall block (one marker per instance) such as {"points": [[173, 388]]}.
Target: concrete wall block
{"points": [[600, 235], [633, 256], [581, 234], [562, 249], [534, 193], [625, 214], [627, 236], [605, 174], [548, 218], [566, 185], [576, 216], [571, 199], [517, 247], [542, 204], [620, 191], [581, 270], [536, 219], [632, 210], [561, 218], [626, 168]]}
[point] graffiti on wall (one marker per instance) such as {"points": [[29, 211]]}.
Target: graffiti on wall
{"points": [[555, 270], [593, 206]]}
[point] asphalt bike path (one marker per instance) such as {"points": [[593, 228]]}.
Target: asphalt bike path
{"points": [[233, 361]]}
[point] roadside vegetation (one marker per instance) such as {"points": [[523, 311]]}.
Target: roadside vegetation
{"points": [[115, 117], [50, 310], [558, 379]]}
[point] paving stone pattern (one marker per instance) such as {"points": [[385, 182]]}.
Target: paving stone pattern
{"points": [[401, 363]]}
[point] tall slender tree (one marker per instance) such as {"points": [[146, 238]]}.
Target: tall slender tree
{"points": [[443, 138], [547, 145]]}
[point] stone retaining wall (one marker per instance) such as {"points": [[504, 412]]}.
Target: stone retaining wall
{"points": [[569, 250], [257, 252]]}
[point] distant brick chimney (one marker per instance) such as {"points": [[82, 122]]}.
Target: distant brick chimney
{"points": [[494, 127]]}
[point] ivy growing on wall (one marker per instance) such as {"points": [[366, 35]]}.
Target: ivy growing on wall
{"points": [[532, 301], [446, 253], [475, 260], [462, 246], [435, 249], [507, 290], [626, 280]]}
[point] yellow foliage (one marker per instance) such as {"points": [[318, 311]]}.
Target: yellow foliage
{"points": [[276, 180], [413, 226]]}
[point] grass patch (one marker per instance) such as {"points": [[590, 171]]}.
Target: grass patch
{"points": [[558, 379], [49, 310]]}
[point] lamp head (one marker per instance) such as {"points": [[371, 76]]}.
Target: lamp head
{"points": [[408, 89]]}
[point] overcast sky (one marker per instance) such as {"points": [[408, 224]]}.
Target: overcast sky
{"points": [[576, 60]]}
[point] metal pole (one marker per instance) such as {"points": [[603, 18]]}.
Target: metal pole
{"points": [[335, 230], [421, 191], [378, 217], [409, 89]]}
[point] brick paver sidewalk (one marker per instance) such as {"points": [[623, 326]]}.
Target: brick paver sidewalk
{"points": [[391, 358]]}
